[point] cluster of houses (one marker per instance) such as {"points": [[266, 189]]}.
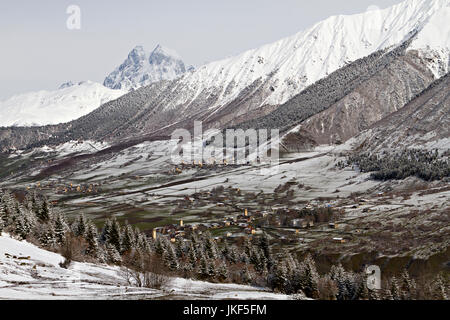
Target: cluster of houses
{"points": [[89, 189], [242, 221], [208, 164], [60, 188]]}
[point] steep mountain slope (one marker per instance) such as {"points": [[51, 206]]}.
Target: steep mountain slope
{"points": [[422, 123], [69, 102], [370, 101], [291, 64], [142, 68]]}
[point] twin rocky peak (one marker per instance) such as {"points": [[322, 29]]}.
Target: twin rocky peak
{"points": [[142, 68]]}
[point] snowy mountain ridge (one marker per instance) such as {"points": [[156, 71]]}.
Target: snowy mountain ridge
{"points": [[74, 100], [293, 63], [142, 68], [280, 70], [69, 102]]}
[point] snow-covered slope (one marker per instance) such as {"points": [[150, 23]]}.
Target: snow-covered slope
{"points": [[142, 68], [28, 272], [295, 62], [69, 102]]}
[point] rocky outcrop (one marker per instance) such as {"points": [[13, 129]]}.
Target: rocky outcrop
{"points": [[423, 123]]}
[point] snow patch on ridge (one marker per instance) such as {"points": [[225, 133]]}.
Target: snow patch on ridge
{"points": [[70, 102]]}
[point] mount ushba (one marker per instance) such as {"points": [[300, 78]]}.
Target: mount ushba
{"points": [[72, 101], [285, 75], [142, 68]]}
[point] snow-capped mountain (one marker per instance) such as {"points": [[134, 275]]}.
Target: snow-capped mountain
{"points": [[142, 68], [69, 102], [291, 64]]}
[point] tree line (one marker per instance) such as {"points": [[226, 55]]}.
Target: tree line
{"points": [[398, 165]]}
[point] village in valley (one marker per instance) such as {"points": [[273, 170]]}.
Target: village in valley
{"points": [[233, 215], [310, 202]]}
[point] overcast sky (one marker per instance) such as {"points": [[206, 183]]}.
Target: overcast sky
{"points": [[38, 51]]}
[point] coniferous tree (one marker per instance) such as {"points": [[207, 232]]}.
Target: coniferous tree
{"points": [[192, 255], [212, 272], [291, 264], [106, 231], [194, 239], [264, 244], [362, 292], [23, 223], [310, 277], [203, 267], [338, 274], [439, 289], [7, 205], [44, 213], [115, 234], [210, 247], [16, 212], [407, 286], [159, 246], [248, 247], [170, 257], [280, 277], [35, 208], [92, 240], [395, 289], [254, 257], [33, 203], [233, 255], [144, 244], [136, 237], [47, 235], [4, 213], [2, 224], [128, 239], [113, 255], [226, 250], [223, 272], [60, 228], [179, 249], [80, 226]]}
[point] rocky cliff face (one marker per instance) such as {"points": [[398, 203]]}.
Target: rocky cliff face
{"points": [[423, 123]]}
